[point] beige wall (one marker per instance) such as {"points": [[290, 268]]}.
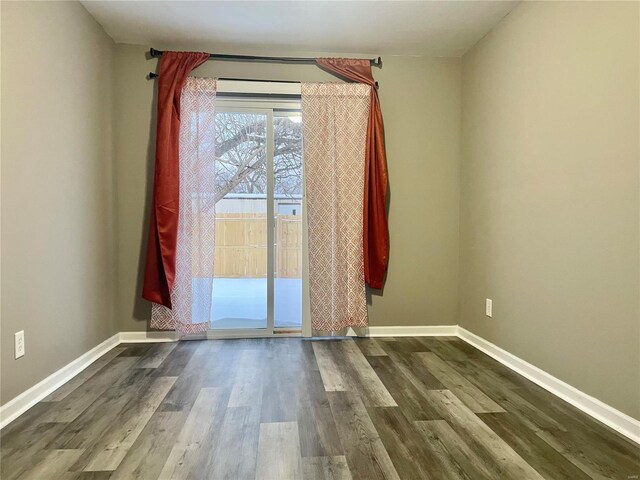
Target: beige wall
{"points": [[550, 193], [421, 105], [57, 228], [547, 185]]}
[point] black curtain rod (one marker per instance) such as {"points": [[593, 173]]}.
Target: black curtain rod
{"points": [[153, 76], [375, 62], [258, 80]]}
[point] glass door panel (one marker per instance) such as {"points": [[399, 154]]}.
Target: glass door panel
{"points": [[287, 217], [241, 230]]}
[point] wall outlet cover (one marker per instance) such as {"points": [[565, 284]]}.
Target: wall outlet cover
{"points": [[488, 309], [19, 344]]}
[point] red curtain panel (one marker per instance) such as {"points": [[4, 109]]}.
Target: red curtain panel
{"points": [[375, 229], [160, 266]]}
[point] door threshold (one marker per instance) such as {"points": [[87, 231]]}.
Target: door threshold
{"points": [[235, 334]]}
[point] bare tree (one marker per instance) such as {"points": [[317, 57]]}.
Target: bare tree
{"points": [[241, 148]]}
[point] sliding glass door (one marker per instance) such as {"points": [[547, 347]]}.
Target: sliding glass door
{"points": [[239, 299], [257, 286], [287, 219]]}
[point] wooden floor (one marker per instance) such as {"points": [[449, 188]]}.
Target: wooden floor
{"points": [[275, 409]]}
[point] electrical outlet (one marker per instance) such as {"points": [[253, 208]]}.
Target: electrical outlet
{"points": [[19, 343], [488, 308]]}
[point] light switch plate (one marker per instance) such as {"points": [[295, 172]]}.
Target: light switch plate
{"points": [[488, 309]]}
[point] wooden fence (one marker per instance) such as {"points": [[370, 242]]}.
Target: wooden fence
{"points": [[241, 245]]}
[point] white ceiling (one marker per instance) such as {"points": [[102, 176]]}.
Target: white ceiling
{"points": [[434, 28]]}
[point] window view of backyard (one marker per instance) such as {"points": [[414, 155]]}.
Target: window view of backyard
{"points": [[240, 263]]}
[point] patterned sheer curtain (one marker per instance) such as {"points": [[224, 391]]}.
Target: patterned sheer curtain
{"points": [[335, 126], [192, 291]]}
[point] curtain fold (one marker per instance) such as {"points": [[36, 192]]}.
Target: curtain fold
{"points": [[335, 127], [195, 246], [160, 265], [375, 229]]}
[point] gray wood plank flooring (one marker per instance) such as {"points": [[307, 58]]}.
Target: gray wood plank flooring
{"points": [[287, 408]]}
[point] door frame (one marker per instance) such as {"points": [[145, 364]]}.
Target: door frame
{"points": [[267, 107]]}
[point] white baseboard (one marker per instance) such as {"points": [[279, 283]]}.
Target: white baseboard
{"points": [[621, 422], [148, 337], [27, 399], [417, 331]]}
